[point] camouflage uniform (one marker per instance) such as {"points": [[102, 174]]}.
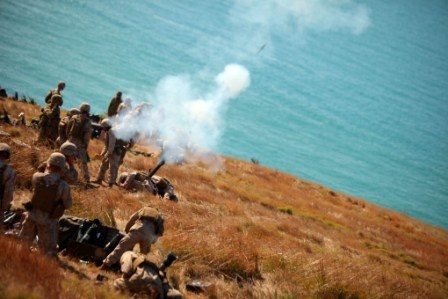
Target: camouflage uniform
{"points": [[50, 197], [113, 153], [139, 276], [79, 131], [138, 181], [135, 181], [69, 172], [142, 229], [56, 91], [7, 181], [62, 129], [113, 105], [49, 120], [163, 187]]}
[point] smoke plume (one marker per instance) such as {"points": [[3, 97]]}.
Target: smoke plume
{"points": [[181, 118]]}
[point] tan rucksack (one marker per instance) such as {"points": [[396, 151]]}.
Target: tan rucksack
{"points": [[75, 127]]}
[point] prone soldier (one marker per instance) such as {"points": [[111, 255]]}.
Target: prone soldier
{"points": [[142, 276], [140, 181]]}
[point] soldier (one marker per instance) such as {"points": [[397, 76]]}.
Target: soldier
{"points": [[113, 154], [79, 131], [68, 174], [7, 181], [62, 129], [49, 121], [113, 105], [141, 276], [51, 196], [144, 227], [138, 181], [57, 90]]}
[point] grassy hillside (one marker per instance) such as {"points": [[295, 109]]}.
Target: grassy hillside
{"points": [[249, 231]]}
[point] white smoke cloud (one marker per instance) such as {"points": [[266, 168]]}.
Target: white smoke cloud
{"points": [[182, 118], [304, 14], [260, 21]]}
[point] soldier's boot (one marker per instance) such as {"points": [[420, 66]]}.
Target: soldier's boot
{"points": [[100, 178], [97, 181]]}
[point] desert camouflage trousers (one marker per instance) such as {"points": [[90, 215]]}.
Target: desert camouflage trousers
{"points": [[82, 158], [38, 223], [112, 163], [144, 236]]}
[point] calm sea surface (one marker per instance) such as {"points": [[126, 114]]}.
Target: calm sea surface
{"points": [[348, 94]]}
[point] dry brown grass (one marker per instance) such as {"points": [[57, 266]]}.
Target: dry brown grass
{"points": [[252, 232]]}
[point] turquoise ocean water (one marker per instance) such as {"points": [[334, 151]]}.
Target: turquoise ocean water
{"points": [[348, 94]]}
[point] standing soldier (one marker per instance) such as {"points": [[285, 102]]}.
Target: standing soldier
{"points": [[113, 154], [7, 181], [62, 129], [113, 105], [79, 131], [57, 90], [49, 121], [144, 228], [51, 196]]}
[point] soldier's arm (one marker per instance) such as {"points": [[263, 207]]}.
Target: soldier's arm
{"points": [[87, 133], [48, 97], [65, 194], [70, 175], [131, 221], [68, 127]]}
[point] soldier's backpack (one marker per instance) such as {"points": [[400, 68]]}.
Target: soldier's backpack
{"points": [[43, 117], [75, 127], [156, 217], [45, 197], [62, 127]]}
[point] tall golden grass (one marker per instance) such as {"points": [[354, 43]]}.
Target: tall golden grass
{"points": [[249, 231]]}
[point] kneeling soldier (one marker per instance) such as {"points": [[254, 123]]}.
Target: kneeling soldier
{"points": [[144, 227]]}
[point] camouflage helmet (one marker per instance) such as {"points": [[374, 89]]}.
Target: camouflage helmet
{"points": [[4, 148], [85, 107], [73, 111], [105, 123], [61, 84], [69, 149], [57, 159]]}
